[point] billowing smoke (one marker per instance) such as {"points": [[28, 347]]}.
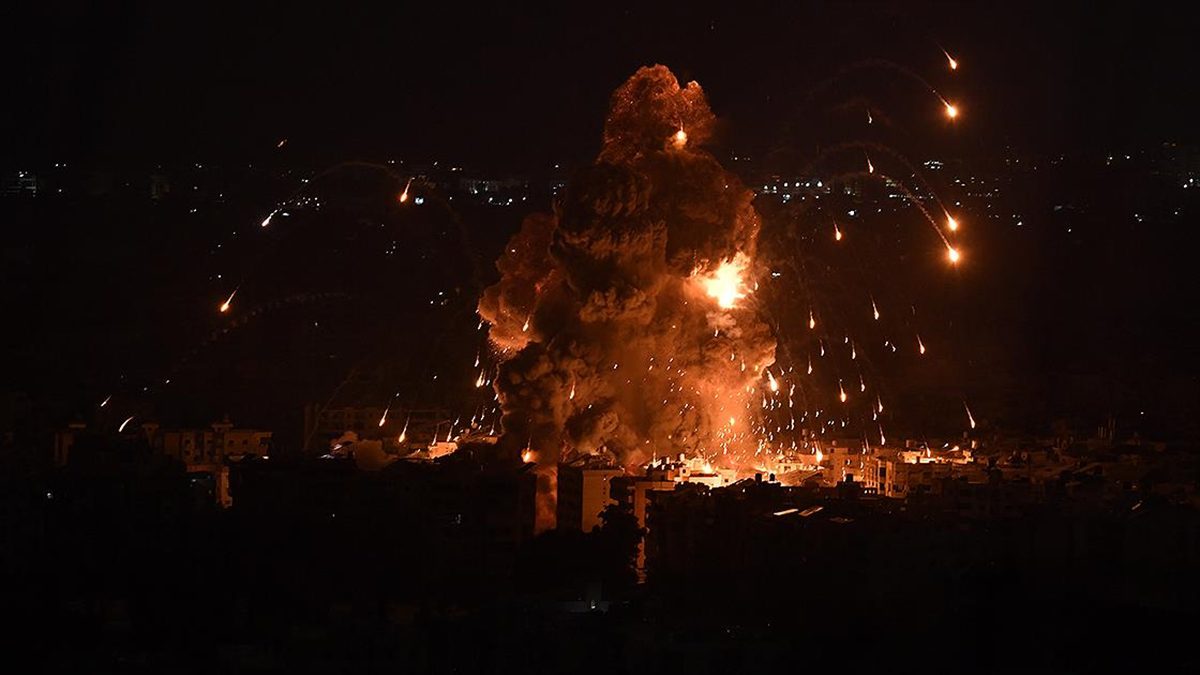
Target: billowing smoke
{"points": [[626, 322]]}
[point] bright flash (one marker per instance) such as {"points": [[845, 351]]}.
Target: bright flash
{"points": [[951, 223], [725, 284], [680, 138], [951, 110], [953, 254]]}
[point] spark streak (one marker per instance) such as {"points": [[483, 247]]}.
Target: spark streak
{"points": [[228, 302]]}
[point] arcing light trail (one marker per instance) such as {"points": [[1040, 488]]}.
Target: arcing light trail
{"points": [[728, 284]]}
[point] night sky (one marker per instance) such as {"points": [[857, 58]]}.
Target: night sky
{"points": [[522, 87], [1098, 301]]}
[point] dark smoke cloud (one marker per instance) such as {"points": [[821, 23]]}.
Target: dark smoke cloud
{"points": [[607, 340]]}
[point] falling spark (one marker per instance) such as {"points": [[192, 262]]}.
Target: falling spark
{"points": [[267, 221], [953, 254], [950, 60], [383, 417], [862, 386], [404, 195], [841, 392], [282, 143], [837, 233], [228, 302], [771, 380], [810, 365], [870, 120], [920, 345], [680, 138], [127, 421], [812, 320], [525, 328], [404, 431], [106, 400], [874, 309], [970, 417], [571, 396], [870, 166], [527, 456], [878, 404], [951, 223], [951, 110], [476, 359], [479, 381]]}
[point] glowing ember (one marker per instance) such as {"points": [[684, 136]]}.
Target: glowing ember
{"points": [[950, 60], [228, 302], [680, 138]]}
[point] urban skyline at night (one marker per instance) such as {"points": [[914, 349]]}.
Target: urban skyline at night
{"points": [[615, 338]]}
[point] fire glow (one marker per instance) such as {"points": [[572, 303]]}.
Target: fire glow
{"points": [[726, 284]]}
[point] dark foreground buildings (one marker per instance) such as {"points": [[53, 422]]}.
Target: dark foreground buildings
{"points": [[120, 561]]}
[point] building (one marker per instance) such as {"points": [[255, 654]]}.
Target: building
{"points": [[584, 490], [204, 453]]}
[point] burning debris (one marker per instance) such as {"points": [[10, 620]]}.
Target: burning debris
{"points": [[626, 321]]}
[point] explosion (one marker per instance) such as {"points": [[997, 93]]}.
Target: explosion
{"points": [[622, 322]]}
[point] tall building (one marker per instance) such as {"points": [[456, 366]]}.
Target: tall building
{"points": [[584, 490]]}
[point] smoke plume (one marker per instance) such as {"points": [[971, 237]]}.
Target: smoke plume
{"points": [[626, 323]]}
